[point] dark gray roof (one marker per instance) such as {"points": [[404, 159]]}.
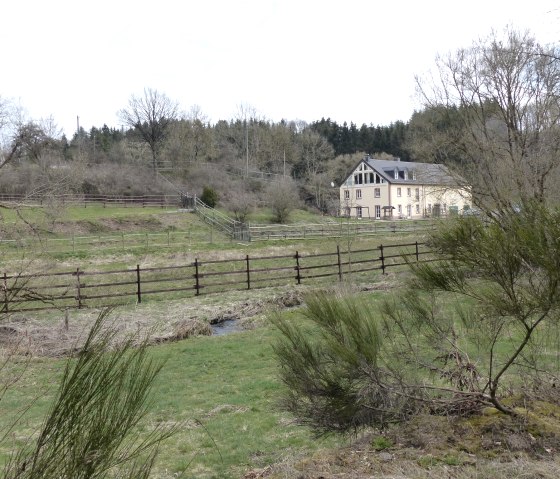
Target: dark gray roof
{"points": [[425, 173]]}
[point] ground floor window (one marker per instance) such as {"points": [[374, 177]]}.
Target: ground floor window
{"points": [[417, 208], [409, 210]]}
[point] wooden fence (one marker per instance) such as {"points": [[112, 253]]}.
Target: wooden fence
{"points": [[107, 242], [230, 227], [85, 289], [105, 200], [339, 229]]}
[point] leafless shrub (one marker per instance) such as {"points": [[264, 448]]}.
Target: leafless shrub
{"points": [[282, 197]]}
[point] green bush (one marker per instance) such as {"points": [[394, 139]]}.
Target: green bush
{"points": [[332, 373], [209, 197]]}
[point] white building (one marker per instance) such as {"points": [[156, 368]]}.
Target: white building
{"points": [[400, 189]]}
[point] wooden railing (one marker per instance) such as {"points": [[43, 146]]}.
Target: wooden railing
{"points": [[83, 288], [88, 200]]}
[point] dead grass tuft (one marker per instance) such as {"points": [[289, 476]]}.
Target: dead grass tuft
{"points": [[190, 328]]}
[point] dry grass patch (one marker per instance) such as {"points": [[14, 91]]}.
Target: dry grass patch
{"points": [[489, 445], [60, 333]]}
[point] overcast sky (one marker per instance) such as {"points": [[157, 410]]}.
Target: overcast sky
{"points": [[351, 60]]}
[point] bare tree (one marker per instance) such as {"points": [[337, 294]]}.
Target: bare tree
{"points": [[494, 109], [283, 198], [150, 115], [191, 138]]}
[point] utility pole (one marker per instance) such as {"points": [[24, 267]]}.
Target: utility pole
{"points": [[247, 145]]}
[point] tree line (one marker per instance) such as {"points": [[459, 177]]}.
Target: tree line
{"points": [[157, 143]]}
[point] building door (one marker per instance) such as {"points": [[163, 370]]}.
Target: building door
{"points": [[377, 212], [359, 211]]}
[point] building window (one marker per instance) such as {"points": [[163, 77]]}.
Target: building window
{"points": [[417, 208], [399, 192], [359, 211], [346, 194], [377, 192], [396, 176], [417, 193], [358, 179], [409, 192], [378, 212], [358, 194], [409, 210], [399, 209]]}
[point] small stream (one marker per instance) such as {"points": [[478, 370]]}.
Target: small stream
{"points": [[226, 327]]}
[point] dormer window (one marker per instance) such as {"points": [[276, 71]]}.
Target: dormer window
{"points": [[396, 174]]}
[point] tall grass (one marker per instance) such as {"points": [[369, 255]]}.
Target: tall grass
{"points": [[219, 392], [90, 429]]}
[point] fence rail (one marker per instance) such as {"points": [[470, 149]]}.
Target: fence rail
{"points": [[88, 200], [230, 227], [338, 229], [82, 288], [107, 242]]}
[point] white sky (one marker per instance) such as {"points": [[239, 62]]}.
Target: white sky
{"points": [[350, 60]]}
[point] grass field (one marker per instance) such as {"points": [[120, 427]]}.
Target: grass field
{"points": [[222, 391]]}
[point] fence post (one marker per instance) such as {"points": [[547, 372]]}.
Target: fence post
{"points": [[5, 287], [298, 277], [78, 288], [248, 273], [382, 258], [417, 258], [138, 290], [197, 283], [339, 263]]}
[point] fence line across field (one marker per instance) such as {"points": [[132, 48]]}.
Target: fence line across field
{"points": [[127, 241], [82, 288], [338, 229], [104, 200]]}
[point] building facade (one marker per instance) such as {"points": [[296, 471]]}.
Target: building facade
{"points": [[390, 189]]}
